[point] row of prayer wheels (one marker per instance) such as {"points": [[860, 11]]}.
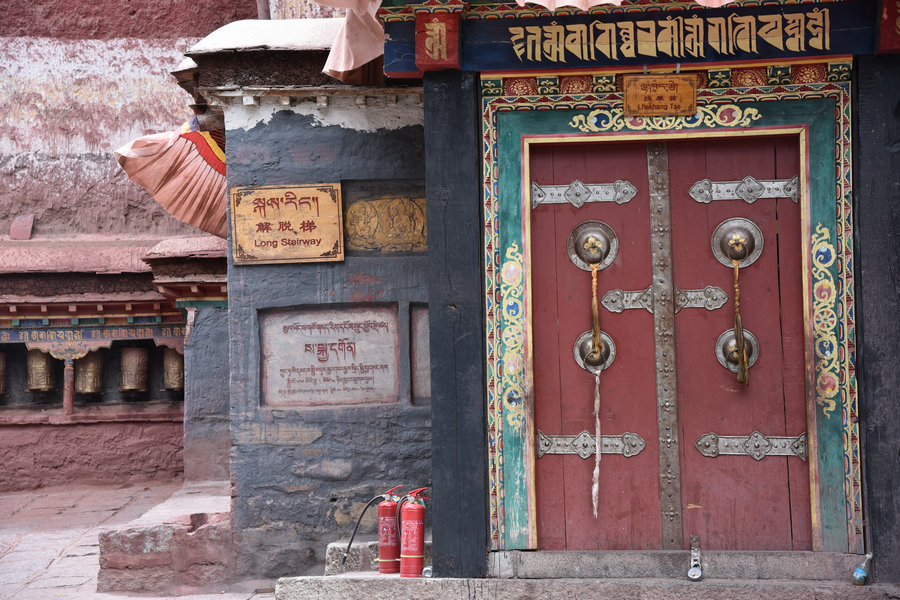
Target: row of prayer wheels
{"points": [[89, 371]]}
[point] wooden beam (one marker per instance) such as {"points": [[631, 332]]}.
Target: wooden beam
{"points": [[456, 322], [878, 305]]}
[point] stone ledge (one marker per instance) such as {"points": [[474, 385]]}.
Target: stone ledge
{"points": [[821, 566], [392, 587]]}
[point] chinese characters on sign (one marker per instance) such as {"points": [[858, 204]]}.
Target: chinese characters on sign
{"points": [[660, 95], [342, 356], [679, 37], [287, 224]]}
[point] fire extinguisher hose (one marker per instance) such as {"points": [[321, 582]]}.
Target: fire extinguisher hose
{"points": [[355, 527]]}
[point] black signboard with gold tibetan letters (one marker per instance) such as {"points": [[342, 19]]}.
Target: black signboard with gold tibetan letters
{"points": [[679, 34]]}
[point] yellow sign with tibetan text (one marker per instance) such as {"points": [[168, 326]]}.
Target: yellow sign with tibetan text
{"points": [[287, 224], [660, 95]]}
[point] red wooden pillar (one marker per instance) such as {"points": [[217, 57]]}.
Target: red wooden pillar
{"points": [[69, 387]]}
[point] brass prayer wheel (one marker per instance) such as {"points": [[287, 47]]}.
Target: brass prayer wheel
{"points": [[173, 369], [2, 374], [89, 373], [134, 370], [40, 376]]}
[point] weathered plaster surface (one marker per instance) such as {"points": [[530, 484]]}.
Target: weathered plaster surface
{"points": [[33, 456], [387, 113], [302, 9], [104, 19], [87, 96], [66, 108]]}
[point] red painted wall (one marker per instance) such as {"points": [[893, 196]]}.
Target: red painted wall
{"points": [[34, 456], [105, 19]]}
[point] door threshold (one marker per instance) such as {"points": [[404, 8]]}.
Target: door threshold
{"points": [[669, 564]]}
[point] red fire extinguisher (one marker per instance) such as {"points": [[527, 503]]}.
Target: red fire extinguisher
{"points": [[388, 544], [411, 525]]}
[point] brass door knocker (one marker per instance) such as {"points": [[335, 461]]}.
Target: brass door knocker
{"points": [[593, 246], [737, 243]]}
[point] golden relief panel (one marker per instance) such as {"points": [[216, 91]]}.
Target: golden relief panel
{"points": [[395, 224]]}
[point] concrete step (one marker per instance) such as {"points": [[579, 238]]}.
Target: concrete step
{"points": [[181, 545], [372, 586]]}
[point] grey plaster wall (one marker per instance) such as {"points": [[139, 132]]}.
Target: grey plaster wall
{"points": [[301, 475], [207, 418]]}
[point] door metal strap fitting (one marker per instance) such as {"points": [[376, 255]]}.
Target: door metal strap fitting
{"points": [[710, 298], [749, 189], [584, 444], [577, 193], [756, 445]]}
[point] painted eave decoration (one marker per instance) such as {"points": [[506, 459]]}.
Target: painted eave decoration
{"points": [[588, 4]]}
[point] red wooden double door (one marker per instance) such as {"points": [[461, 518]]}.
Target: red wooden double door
{"points": [[721, 460]]}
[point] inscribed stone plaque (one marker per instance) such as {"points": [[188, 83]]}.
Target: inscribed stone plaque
{"points": [[420, 352], [333, 356], [660, 95], [285, 224]]}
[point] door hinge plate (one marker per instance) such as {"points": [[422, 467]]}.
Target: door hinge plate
{"points": [[584, 444], [756, 445]]}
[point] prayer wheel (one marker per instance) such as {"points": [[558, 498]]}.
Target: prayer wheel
{"points": [[134, 370], [40, 376], [2, 374], [89, 373], [173, 369]]}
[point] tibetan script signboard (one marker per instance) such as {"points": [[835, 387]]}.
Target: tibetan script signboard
{"points": [[660, 95], [622, 37], [327, 357], [286, 224]]}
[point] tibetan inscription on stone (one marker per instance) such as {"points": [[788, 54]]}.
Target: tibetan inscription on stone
{"points": [[326, 357], [660, 95], [287, 224]]}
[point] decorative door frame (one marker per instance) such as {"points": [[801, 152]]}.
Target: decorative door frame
{"points": [[819, 113]]}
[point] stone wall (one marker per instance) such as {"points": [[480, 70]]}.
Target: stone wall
{"points": [[207, 440], [303, 471]]}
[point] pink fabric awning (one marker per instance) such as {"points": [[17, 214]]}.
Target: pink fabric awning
{"points": [[359, 40]]}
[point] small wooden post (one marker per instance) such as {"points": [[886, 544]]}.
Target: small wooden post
{"points": [[69, 387]]}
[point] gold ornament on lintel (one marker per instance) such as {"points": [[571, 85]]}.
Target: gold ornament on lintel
{"points": [[89, 373], [134, 370], [40, 375], [173, 369]]}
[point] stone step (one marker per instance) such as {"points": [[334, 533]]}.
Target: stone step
{"points": [[179, 546], [363, 556], [372, 586]]}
